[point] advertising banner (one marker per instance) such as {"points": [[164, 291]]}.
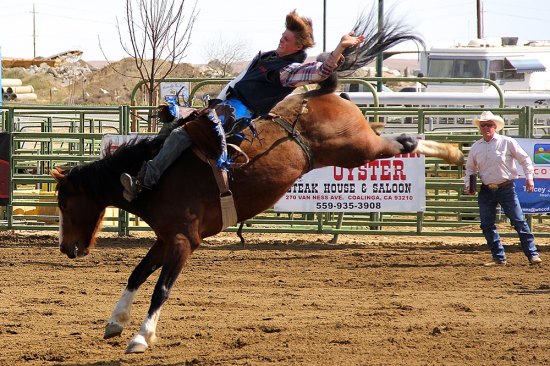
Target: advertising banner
{"points": [[538, 201], [5, 149], [171, 88], [396, 184]]}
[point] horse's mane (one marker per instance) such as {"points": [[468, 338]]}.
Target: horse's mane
{"points": [[101, 177], [376, 42], [128, 158], [131, 155]]}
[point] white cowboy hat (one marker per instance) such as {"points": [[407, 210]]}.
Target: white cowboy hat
{"points": [[489, 116]]}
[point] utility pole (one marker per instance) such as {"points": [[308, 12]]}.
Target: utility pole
{"points": [[380, 56], [324, 25], [33, 33], [479, 19]]}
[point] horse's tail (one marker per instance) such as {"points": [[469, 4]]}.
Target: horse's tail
{"points": [[376, 41]]}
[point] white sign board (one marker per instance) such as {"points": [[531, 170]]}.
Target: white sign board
{"points": [[396, 184], [171, 88]]}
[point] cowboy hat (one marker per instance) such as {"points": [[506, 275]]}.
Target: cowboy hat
{"points": [[489, 116]]}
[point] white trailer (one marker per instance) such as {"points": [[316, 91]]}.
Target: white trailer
{"points": [[516, 66]]}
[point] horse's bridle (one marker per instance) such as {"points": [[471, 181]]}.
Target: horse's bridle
{"points": [[295, 134]]}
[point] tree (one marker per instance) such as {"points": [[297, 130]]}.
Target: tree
{"points": [[222, 54], [158, 38]]}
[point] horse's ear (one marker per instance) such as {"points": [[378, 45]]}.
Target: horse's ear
{"points": [[58, 174]]}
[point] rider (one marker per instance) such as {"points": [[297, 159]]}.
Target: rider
{"points": [[268, 79]]}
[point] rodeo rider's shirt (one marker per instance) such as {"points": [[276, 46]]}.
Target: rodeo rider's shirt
{"points": [[270, 78]]}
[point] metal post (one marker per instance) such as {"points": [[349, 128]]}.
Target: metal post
{"points": [[530, 121], [10, 129], [380, 57], [324, 25], [479, 19], [339, 222]]}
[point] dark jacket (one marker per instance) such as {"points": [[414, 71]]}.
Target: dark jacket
{"points": [[260, 88]]}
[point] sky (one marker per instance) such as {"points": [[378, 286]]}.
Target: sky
{"points": [[63, 25]]}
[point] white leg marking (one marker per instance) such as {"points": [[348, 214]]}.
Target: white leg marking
{"points": [[149, 328], [444, 151], [147, 334], [428, 148], [120, 315], [123, 308]]}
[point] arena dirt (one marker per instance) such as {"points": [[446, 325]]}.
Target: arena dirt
{"points": [[282, 300]]}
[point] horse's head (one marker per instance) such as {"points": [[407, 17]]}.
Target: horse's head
{"points": [[79, 216]]}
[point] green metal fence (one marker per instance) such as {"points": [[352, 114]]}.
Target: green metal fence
{"points": [[43, 137]]}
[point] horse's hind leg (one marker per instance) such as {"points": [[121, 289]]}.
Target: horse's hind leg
{"points": [[391, 146], [403, 144], [447, 152], [408, 143], [176, 257], [120, 316]]}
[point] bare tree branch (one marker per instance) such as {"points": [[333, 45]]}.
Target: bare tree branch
{"points": [[157, 38], [223, 54]]}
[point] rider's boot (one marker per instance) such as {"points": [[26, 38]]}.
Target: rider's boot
{"points": [[174, 145], [132, 185]]}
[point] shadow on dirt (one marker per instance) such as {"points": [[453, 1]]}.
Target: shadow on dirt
{"points": [[16, 240]]}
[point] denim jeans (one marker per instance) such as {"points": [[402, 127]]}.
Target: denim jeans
{"points": [[174, 145], [508, 200]]}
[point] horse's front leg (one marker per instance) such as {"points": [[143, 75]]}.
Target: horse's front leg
{"points": [[175, 258], [120, 316]]}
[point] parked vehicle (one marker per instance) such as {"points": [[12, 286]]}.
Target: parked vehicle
{"points": [[517, 66]]}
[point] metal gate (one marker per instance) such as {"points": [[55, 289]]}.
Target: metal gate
{"points": [[43, 137]]}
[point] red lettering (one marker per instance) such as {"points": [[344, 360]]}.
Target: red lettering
{"points": [[398, 170], [385, 169], [385, 174], [338, 173], [373, 165], [350, 173], [362, 173]]}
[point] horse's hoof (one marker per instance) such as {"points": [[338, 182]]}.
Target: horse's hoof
{"points": [[112, 330], [136, 347], [407, 142], [459, 158], [455, 156]]}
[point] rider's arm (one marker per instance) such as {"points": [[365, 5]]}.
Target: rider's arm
{"points": [[297, 74], [301, 74]]}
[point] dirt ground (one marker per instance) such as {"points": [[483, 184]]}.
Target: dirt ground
{"points": [[283, 300]]}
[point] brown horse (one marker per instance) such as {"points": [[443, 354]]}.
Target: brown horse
{"points": [[181, 212], [317, 129]]}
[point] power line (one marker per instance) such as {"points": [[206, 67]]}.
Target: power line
{"points": [[516, 16]]}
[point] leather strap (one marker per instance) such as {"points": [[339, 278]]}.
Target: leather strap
{"points": [[494, 186], [294, 133], [227, 203]]}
